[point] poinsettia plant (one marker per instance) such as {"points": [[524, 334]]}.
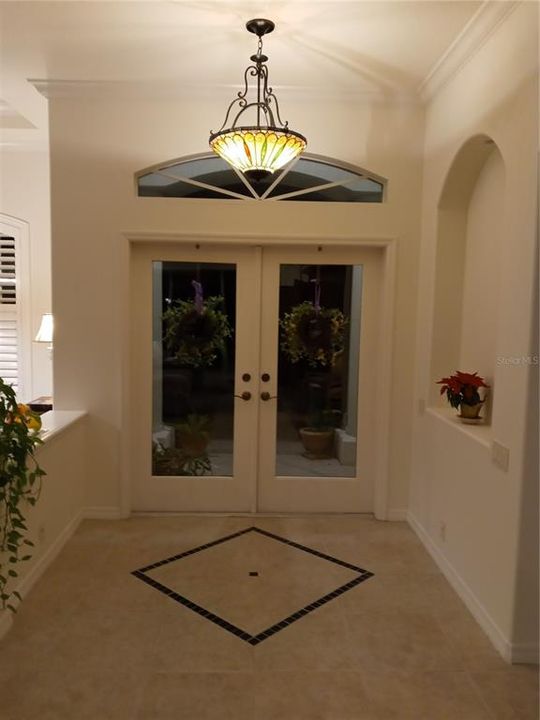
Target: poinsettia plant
{"points": [[462, 388]]}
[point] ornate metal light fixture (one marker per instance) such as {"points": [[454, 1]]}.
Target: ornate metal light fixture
{"points": [[257, 150]]}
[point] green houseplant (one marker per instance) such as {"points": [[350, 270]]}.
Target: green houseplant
{"points": [[20, 482], [190, 456], [174, 461], [192, 435], [195, 331], [461, 391], [315, 335]]}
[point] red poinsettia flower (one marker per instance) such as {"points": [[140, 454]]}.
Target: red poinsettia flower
{"points": [[450, 383], [473, 379], [462, 388]]}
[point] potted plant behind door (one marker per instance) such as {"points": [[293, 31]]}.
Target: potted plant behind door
{"points": [[318, 437], [316, 334], [462, 392], [173, 461], [193, 434]]}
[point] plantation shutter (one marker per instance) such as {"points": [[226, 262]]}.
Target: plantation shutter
{"points": [[9, 312]]}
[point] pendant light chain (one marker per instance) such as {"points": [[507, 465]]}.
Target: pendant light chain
{"points": [[259, 71]]}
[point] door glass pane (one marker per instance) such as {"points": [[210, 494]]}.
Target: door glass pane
{"points": [[319, 340], [194, 310]]}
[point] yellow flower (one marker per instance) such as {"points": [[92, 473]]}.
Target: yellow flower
{"points": [[33, 422], [27, 416]]}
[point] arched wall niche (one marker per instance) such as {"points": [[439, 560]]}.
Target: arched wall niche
{"points": [[467, 265]]}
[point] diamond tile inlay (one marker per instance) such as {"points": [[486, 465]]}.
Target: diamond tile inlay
{"points": [[218, 581]]}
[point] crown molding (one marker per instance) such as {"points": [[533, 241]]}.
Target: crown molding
{"points": [[169, 90], [476, 32], [22, 139]]}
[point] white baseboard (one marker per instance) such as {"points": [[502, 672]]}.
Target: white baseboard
{"points": [[103, 513], [501, 643], [525, 653], [42, 563], [48, 556], [397, 514], [26, 583]]}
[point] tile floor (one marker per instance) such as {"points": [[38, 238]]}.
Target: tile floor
{"points": [[94, 642]]}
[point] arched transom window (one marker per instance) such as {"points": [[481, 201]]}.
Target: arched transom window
{"points": [[310, 178]]}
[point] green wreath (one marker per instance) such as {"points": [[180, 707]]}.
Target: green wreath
{"points": [[315, 335], [196, 336]]}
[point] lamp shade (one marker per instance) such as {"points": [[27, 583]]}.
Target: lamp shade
{"points": [[45, 332], [266, 149]]}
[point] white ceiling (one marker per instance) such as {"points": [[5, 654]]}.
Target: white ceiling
{"points": [[349, 45]]}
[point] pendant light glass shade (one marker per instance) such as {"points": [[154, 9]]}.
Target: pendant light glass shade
{"points": [[266, 149], [266, 146]]}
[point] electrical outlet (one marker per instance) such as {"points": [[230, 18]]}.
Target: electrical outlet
{"points": [[500, 455], [442, 530]]}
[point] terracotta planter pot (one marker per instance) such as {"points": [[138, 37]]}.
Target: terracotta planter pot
{"points": [[193, 444], [317, 443], [470, 412]]}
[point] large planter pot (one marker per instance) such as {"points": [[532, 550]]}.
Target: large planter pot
{"points": [[470, 412], [193, 444], [317, 443]]}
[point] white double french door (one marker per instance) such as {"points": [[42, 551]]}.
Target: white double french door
{"points": [[253, 378]]}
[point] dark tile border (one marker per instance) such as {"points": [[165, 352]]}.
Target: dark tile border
{"points": [[252, 639]]}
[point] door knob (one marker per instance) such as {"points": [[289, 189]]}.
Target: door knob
{"points": [[266, 396], [265, 377], [246, 395]]}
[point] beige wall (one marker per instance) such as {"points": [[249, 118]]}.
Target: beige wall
{"points": [[483, 244], [97, 144], [24, 195], [491, 546]]}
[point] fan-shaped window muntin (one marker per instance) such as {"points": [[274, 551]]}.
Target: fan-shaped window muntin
{"points": [[308, 178]]}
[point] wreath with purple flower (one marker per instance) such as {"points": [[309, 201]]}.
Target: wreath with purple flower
{"points": [[313, 333], [196, 330]]}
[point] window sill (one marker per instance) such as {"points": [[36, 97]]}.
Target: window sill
{"points": [[480, 433], [55, 422]]}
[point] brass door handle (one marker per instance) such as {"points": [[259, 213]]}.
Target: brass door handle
{"points": [[246, 395], [266, 396]]}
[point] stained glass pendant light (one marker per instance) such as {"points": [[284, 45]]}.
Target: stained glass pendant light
{"points": [[261, 148]]}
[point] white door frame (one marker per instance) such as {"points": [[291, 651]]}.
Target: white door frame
{"points": [[386, 246]]}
